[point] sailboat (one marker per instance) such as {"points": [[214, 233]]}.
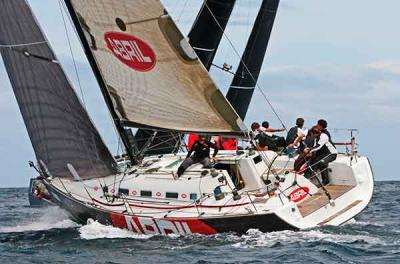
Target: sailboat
{"points": [[152, 79]]}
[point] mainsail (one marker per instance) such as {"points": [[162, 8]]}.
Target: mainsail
{"points": [[150, 71], [206, 33], [205, 37], [63, 137], [245, 80]]}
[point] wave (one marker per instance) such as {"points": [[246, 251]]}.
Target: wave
{"points": [[95, 230], [252, 239], [50, 218], [255, 238]]}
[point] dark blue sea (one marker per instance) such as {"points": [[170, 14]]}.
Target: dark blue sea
{"points": [[46, 235]]}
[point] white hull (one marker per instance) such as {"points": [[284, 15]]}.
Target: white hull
{"points": [[152, 192]]}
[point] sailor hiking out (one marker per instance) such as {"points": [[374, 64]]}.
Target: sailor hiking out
{"points": [[201, 154], [322, 153]]}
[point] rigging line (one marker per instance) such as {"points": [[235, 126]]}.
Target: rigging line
{"points": [[77, 36], [181, 13], [245, 66], [72, 54]]}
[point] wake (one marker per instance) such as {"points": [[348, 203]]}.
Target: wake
{"points": [[95, 230], [50, 218]]}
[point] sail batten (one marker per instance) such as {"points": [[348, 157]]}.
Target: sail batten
{"points": [[208, 29], [246, 77], [150, 71]]}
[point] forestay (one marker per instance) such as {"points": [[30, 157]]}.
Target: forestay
{"points": [[151, 72]]}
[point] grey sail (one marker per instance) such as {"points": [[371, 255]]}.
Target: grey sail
{"points": [[63, 137], [205, 37], [245, 80]]}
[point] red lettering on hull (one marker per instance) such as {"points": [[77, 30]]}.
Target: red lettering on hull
{"points": [[148, 225]]}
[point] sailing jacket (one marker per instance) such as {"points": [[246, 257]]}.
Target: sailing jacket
{"points": [[202, 151]]}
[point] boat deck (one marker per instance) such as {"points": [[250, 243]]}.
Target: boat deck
{"points": [[320, 200]]}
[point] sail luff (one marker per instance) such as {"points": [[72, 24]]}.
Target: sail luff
{"points": [[103, 86], [245, 80], [60, 130]]}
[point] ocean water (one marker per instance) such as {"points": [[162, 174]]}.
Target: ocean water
{"points": [[46, 235]]}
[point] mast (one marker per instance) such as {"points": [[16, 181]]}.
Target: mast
{"points": [[245, 80], [126, 140], [205, 37]]}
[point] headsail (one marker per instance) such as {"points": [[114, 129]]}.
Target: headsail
{"points": [[204, 36], [60, 129], [152, 74], [245, 80]]}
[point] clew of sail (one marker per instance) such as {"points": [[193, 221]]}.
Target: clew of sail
{"points": [[151, 72], [63, 137]]}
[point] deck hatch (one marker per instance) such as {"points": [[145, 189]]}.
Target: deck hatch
{"points": [[257, 159]]}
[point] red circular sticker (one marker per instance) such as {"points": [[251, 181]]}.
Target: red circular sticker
{"points": [[95, 188], [131, 51], [183, 196], [299, 194], [134, 192], [158, 194]]}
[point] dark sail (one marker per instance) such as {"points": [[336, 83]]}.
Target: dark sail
{"points": [[243, 84], [204, 37], [60, 129], [208, 29]]}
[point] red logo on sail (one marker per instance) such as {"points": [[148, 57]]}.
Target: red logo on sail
{"points": [[131, 50], [299, 194]]}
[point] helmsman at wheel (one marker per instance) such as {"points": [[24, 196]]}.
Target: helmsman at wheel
{"points": [[201, 154]]}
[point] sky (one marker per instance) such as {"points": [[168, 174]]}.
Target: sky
{"points": [[337, 60]]}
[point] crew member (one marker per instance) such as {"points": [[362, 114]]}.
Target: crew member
{"points": [[297, 135], [263, 141], [276, 141], [322, 126], [201, 154], [269, 130], [322, 154]]}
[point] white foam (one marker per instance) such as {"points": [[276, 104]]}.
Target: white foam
{"points": [[368, 223], [255, 238], [51, 217], [95, 230]]}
